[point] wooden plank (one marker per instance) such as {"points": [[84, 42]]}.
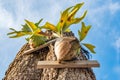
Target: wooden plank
{"points": [[70, 64], [40, 47]]}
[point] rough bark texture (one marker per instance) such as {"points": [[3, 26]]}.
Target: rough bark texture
{"points": [[24, 67]]}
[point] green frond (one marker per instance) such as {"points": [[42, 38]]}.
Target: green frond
{"points": [[84, 31], [31, 25], [90, 47], [37, 24], [18, 34], [50, 26]]}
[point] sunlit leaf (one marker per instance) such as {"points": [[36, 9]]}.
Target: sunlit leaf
{"points": [[31, 25], [67, 30], [37, 24], [26, 28], [77, 20], [12, 29], [70, 18], [74, 10], [10, 33], [18, 34], [38, 40], [90, 47], [50, 26], [74, 20], [84, 31], [64, 17], [58, 27]]}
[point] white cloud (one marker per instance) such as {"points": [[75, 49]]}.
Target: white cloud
{"points": [[25, 11], [97, 14], [6, 19], [53, 12], [114, 7]]}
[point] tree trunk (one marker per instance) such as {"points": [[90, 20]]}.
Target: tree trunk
{"points": [[24, 67]]}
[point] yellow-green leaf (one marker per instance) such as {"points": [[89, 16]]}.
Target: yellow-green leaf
{"points": [[90, 47], [38, 40], [84, 31], [77, 20], [18, 34], [67, 30], [37, 24], [26, 28], [64, 17], [75, 9], [31, 25], [70, 18], [79, 33], [58, 27], [49, 26]]}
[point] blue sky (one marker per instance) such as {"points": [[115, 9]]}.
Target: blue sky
{"points": [[102, 15]]}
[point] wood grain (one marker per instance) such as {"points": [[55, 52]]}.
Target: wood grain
{"points": [[40, 47], [70, 64]]}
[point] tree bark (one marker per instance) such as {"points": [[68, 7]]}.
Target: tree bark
{"points": [[24, 67]]}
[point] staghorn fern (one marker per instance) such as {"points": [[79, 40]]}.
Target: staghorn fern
{"points": [[32, 30], [66, 20], [37, 36]]}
